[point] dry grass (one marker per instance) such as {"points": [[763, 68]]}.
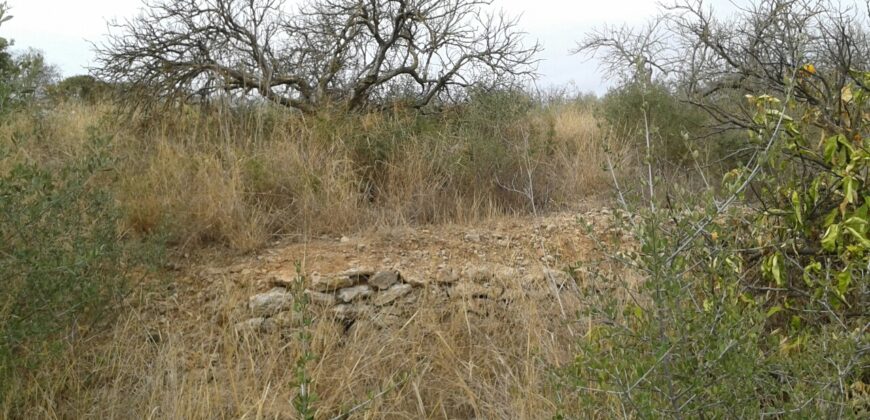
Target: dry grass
{"points": [[445, 362], [239, 179], [244, 179], [175, 353]]}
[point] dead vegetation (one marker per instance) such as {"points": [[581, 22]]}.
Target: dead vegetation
{"points": [[243, 178], [410, 192], [176, 353]]}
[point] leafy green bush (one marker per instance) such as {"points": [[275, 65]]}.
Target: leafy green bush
{"points": [[83, 88], [63, 262], [695, 340], [24, 77], [669, 120], [752, 304]]}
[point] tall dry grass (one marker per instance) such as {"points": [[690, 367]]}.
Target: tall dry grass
{"points": [[243, 177], [240, 177], [171, 360]]}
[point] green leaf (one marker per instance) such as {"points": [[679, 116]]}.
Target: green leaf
{"points": [[813, 193], [844, 280], [774, 310], [830, 148], [857, 222], [829, 241], [831, 217], [850, 189], [859, 236], [638, 312], [810, 269], [798, 210], [774, 268], [795, 323]]}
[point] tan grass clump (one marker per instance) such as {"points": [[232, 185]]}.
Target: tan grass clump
{"points": [[239, 177], [443, 362]]}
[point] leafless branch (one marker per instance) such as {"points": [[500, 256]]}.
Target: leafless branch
{"points": [[351, 52]]}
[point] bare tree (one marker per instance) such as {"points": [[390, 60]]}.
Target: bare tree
{"points": [[629, 54], [352, 52], [709, 60]]}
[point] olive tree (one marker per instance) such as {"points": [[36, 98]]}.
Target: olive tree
{"points": [[24, 76], [350, 52]]}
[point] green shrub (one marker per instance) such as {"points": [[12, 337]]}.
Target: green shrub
{"points": [[83, 88], [24, 77], [670, 120], [63, 262], [751, 304], [694, 340]]}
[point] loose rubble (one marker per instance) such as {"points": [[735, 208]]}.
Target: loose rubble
{"points": [[356, 294], [270, 303], [506, 266]]}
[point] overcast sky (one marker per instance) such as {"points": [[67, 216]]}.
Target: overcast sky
{"points": [[62, 29]]}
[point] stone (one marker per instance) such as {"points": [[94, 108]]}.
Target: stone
{"points": [[557, 277], [250, 326], [477, 273], [282, 280], [446, 276], [359, 275], [333, 283], [236, 268], [472, 237], [390, 295], [384, 279], [318, 298], [270, 303], [282, 320], [415, 281], [351, 294], [346, 311], [407, 300], [173, 266], [467, 290]]}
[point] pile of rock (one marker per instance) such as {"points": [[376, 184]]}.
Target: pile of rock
{"points": [[350, 295], [354, 291], [385, 296], [270, 311]]}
